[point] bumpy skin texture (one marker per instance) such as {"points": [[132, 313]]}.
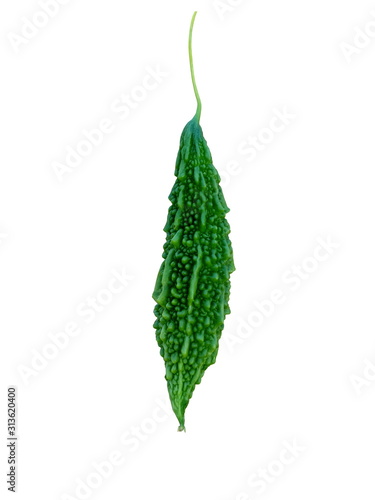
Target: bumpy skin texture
{"points": [[192, 287]]}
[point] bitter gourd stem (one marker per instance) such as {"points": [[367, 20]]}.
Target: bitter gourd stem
{"points": [[199, 104]]}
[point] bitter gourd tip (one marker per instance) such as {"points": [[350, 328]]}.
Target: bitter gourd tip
{"points": [[199, 103]]}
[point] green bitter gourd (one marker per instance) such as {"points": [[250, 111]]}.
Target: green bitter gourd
{"points": [[192, 286]]}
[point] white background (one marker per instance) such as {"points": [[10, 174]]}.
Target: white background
{"points": [[294, 377]]}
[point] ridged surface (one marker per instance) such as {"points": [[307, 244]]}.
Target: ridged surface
{"points": [[192, 287]]}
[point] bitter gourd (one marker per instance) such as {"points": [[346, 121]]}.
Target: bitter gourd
{"points": [[192, 286]]}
